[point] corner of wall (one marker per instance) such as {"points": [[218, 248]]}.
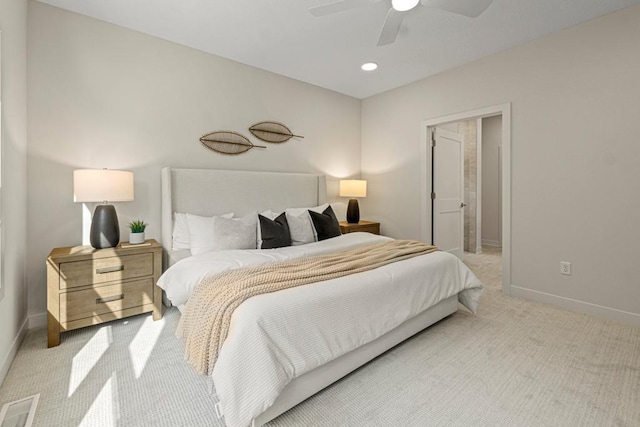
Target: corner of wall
{"points": [[13, 350], [13, 158]]}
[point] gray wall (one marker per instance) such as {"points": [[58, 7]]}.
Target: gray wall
{"points": [[104, 96], [575, 156], [491, 202], [13, 303]]}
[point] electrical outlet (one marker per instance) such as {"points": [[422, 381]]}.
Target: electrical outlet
{"points": [[565, 268]]}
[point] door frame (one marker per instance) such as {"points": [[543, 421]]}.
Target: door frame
{"points": [[478, 247], [426, 178]]}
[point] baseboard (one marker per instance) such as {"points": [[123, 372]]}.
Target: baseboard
{"points": [[13, 350], [576, 305], [38, 320], [493, 243]]}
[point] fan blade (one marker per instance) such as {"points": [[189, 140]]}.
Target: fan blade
{"points": [[339, 6], [391, 27], [470, 8]]}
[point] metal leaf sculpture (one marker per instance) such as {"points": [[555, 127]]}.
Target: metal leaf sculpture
{"points": [[272, 132], [227, 142]]}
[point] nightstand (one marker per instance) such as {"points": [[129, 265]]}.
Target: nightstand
{"points": [[367, 226], [87, 286]]}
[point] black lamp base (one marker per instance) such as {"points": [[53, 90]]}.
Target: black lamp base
{"points": [[105, 230], [353, 212]]}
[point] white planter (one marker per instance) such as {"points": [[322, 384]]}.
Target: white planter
{"points": [[136, 238]]}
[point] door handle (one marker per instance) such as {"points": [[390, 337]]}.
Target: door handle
{"points": [[462, 205]]}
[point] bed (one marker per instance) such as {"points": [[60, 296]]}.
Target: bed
{"points": [[216, 192]]}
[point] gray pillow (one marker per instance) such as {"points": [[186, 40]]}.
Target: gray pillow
{"points": [[236, 233]]}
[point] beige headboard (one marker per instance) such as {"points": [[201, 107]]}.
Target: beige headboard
{"points": [[217, 192]]}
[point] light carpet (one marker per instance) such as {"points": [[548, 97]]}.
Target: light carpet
{"points": [[514, 363]]}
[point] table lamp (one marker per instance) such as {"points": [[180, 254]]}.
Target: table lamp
{"points": [[103, 185], [353, 188]]}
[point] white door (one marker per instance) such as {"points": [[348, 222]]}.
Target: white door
{"points": [[448, 191]]}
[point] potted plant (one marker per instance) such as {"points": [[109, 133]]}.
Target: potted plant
{"points": [[137, 232]]}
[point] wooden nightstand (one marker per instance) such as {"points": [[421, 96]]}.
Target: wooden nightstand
{"points": [[367, 226], [87, 286]]}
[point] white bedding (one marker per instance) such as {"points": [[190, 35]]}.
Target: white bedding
{"points": [[279, 336]]}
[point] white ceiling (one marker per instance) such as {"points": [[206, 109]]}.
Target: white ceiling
{"points": [[283, 37]]}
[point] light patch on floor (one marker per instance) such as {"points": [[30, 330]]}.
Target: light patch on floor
{"points": [[88, 357], [104, 410], [143, 344]]}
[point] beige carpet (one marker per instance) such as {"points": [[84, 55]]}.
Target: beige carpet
{"points": [[514, 363]]}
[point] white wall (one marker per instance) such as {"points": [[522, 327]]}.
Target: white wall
{"points": [[104, 96], [491, 202], [13, 306], [575, 158]]}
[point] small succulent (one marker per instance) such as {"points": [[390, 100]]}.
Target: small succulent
{"points": [[137, 226]]}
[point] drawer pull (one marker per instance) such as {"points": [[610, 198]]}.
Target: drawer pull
{"points": [[109, 299], [109, 269]]}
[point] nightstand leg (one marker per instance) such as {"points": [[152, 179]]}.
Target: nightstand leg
{"points": [[53, 331], [53, 304], [157, 303]]}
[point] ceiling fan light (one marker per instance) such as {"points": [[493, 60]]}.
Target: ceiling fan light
{"points": [[404, 5], [369, 66]]}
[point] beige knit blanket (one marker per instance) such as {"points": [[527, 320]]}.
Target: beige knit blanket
{"points": [[204, 325]]}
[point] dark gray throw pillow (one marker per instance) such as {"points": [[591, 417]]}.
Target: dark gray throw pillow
{"points": [[326, 224], [275, 233]]}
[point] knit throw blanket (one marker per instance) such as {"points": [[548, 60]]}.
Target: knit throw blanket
{"points": [[204, 325]]}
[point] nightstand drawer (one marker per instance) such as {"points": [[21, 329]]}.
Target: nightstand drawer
{"points": [[105, 299], [375, 229], [102, 270], [362, 226]]}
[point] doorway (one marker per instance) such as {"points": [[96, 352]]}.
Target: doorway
{"points": [[492, 216], [479, 183]]}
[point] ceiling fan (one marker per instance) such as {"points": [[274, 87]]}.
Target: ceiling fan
{"points": [[395, 15]]}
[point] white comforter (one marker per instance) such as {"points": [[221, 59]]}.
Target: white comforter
{"points": [[277, 337]]}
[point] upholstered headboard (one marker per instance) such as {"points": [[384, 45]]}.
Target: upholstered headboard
{"points": [[217, 192]]}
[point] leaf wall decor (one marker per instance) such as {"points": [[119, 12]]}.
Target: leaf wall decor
{"points": [[272, 132], [227, 142]]}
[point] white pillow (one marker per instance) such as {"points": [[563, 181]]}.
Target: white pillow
{"points": [[201, 232], [300, 224], [235, 233], [181, 239]]}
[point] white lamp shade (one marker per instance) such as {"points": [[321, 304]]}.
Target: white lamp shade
{"points": [[102, 185], [353, 188]]}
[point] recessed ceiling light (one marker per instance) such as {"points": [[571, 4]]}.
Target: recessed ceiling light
{"points": [[369, 66], [404, 5]]}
